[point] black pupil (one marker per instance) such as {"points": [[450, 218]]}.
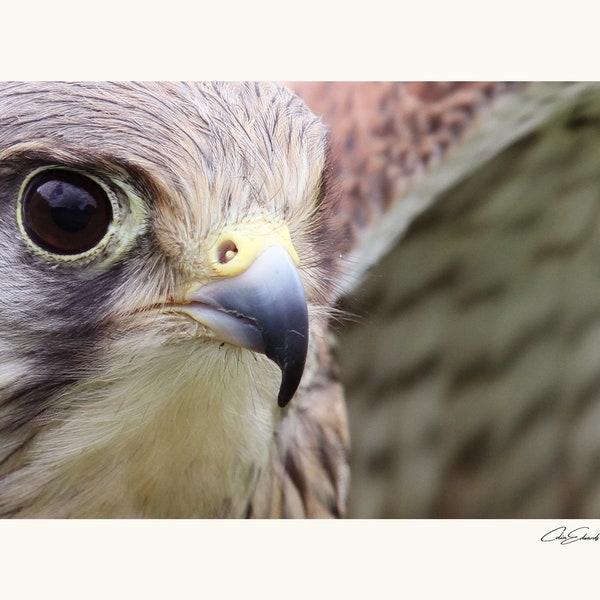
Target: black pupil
{"points": [[65, 212]]}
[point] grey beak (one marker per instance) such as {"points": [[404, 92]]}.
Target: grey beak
{"points": [[263, 309]]}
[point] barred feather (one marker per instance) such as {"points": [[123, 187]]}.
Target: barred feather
{"points": [[472, 378]]}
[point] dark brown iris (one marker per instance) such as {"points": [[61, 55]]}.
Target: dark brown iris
{"points": [[65, 212]]}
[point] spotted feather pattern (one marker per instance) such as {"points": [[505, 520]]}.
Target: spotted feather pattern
{"points": [[472, 368]]}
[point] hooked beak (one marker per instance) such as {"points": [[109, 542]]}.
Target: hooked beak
{"points": [[264, 309]]}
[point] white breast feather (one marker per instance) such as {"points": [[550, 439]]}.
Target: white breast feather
{"points": [[181, 430]]}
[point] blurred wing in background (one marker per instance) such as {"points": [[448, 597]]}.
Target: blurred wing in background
{"points": [[472, 372]]}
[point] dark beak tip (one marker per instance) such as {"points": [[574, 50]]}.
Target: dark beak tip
{"points": [[286, 391], [291, 362]]}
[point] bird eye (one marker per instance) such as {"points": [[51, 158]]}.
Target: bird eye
{"points": [[64, 212]]}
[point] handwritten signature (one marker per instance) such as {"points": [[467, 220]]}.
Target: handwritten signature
{"points": [[575, 535]]}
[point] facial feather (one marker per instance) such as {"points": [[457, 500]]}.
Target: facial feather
{"points": [[122, 407]]}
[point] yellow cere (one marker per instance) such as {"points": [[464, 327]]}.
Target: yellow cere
{"points": [[236, 249]]}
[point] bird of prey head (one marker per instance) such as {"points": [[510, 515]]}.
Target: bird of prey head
{"points": [[166, 261]]}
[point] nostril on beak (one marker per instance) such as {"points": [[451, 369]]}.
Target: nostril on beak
{"points": [[226, 252]]}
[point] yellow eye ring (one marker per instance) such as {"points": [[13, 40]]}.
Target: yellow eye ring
{"points": [[65, 214]]}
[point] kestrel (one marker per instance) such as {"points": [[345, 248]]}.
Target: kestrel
{"points": [[176, 260]]}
